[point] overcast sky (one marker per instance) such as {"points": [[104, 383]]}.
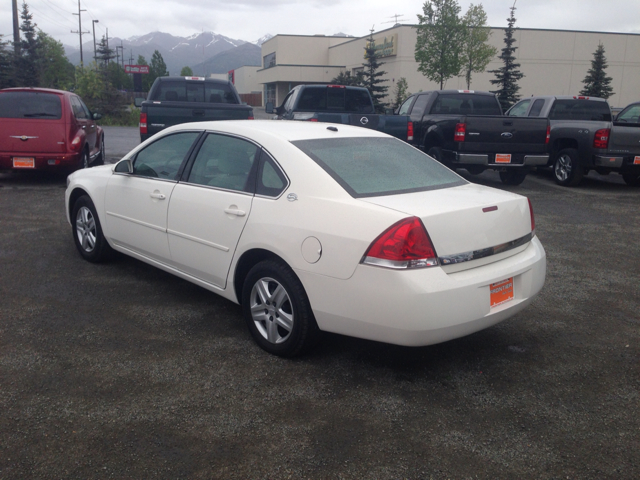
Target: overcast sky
{"points": [[249, 20]]}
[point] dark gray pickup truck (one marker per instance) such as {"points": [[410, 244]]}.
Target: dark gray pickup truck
{"points": [[624, 144], [466, 129], [339, 104], [175, 100], [583, 137]]}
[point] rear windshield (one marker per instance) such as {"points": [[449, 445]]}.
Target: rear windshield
{"points": [[30, 105], [370, 167], [580, 110], [466, 104], [332, 99], [196, 91]]}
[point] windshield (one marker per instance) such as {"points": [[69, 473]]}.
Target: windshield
{"points": [[371, 167], [30, 105], [580, 109]]}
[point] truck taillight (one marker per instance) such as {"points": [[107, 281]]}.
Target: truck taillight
{"points": [[461, 130], [548, 134], [143, 123], [409, 131], [601, 139]]}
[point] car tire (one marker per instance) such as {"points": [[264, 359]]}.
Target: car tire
{"points": [[87, 231], [435, 153], [513, 177], [277, 310], [631, 179], [101, 156], [567, 170], [84, 160]]}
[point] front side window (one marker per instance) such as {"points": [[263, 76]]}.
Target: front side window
{"points": [[78, 111], [163, 158], [369, 167], [39, 105], [519, 109], [630, 114], [224, 162]]}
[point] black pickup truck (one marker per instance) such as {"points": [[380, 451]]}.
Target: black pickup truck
{"points": [[339, 104], [581, 136], [466, 129], [174, 100]]}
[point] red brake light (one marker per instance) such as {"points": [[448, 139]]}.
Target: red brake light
{"points": [[336, 86], [405, 244], [461, 130], [548, 134], [601, 139], [533, 220], [409, 131], [143, 123]]}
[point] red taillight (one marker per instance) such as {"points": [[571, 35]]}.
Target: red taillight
{"points": [[143, 123], [409, 131], [336, 86], [601, 139], [548, 134], [251, 118], [313, 119], [533, 220], [405, 244], [461, 130], [76, 143]]}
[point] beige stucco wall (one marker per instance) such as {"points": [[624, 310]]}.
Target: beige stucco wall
{"points": [[246, 80], [554, 62]]}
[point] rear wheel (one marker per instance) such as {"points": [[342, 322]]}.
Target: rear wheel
{"points": [[277, 310], [84, 160], [567, 169], [87, 231], [513, 177], [101, 156], [631, 179]]}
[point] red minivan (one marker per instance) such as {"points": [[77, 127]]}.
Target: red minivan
{"points": [[42, 128]]}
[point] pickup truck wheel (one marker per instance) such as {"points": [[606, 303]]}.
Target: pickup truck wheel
{"points": [[435, 153], [513, 177], [631, 179], [567, 169]]}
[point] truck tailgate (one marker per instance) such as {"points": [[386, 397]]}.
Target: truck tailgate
{"points": [[505, 134]]}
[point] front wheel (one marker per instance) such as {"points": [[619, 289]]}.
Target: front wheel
{"points": [[87, 231], [567, 169], [277, 310], [631, 179], [513, 177]]}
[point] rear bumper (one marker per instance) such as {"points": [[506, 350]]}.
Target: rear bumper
{"points": [[41, 161], [621, 163], [489, 160], [424, 306]]}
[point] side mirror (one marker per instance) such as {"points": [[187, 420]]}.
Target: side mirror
{"points": [[124, 166], [96, 116], [138, 101], [269, 107]]}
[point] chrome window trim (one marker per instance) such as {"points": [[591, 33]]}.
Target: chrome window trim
{"points": [[485, 252]]}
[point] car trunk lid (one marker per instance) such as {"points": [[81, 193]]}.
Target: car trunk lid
{"points": [[32, 136]]}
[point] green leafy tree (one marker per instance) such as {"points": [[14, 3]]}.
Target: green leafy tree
{"points": [[26, 62], [186, 72], [345, 78], [54, 69], [117, 77], [401, 92], [440, 39], [508, 75], [157, 68], [89, 85], [596, 83], [476, 52], [6, 64], [371, 75]]}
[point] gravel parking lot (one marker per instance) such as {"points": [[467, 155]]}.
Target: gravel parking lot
{"points": [[123, 371]]}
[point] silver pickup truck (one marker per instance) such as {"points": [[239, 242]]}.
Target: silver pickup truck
{"points": [[583, 137]]}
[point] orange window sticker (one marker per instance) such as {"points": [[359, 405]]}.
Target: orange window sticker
{"points": [[501, 292]]}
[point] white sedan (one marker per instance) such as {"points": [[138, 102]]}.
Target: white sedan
{"points": [[313, 227]]}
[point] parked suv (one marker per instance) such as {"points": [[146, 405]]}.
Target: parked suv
{"points": [[43, 128]]}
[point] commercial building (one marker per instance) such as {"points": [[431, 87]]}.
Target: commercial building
{"points": [[554, 62]]}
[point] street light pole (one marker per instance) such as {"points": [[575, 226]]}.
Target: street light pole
{"points": [[95, 55]]}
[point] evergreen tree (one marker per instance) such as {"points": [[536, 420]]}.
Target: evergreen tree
{"points": [[596, 83], [440, 39], [104, 54], [507, 76], [186, 72], [371, 76], [401, 92], [26, 61], [6, 64], [345, 78], [476, 53]]}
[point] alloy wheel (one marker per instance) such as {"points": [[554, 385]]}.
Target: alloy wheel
{"points": [[271, 310], [86, 229]]}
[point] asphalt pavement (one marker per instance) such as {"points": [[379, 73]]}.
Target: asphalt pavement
{"points": [[120, 370]]}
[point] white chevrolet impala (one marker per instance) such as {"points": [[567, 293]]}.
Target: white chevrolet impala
{"points": [[313, 227]]}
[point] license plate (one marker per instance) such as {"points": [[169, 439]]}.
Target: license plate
{"points": [[501, 292], [24, 162], [636, 161], [503, 158]]}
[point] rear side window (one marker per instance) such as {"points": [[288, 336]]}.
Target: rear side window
{"points": [[323, 99], [370, 167], [571, 109], [30, 105], [466, 104], [194, 91]]}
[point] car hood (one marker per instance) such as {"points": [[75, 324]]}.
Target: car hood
{"points": [[465, 218]]}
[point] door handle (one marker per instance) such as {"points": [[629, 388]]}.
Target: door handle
{"points": [[158, 195], [235, 211]]}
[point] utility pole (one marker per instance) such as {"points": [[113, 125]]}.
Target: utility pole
{"points": [[95, 54], [80, 32], [16, 27]]}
